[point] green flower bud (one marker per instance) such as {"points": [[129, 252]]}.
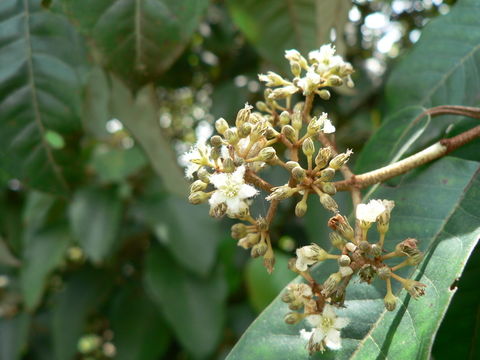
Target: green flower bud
{"points": [[376, 250], [239, 231], [198, 197], [340, 224], [281, 193], [334, 80], [328, 188], [259, 249], [198, 185], [270, 132], [301, 208], [324, 94], [326, 174], [331, 283], [337, 162], [295, 68], [364, 246], [344, 260], [216, 153], [228, 165], [308, 147], [328, 202], [314, 126], [216, 140], [292, 165], [231, 135], [297, 121], [323, 157], [221, 125], [292, 318], [284, 118], [244, 130], [299, 174], [261, 106], [243, 115], [290, 133], [267, 154], [248, 241]]}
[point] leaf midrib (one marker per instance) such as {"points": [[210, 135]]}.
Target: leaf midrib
{"points": [[36, 108]]}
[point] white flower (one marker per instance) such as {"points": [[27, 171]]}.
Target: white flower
{"points": [[309, 82], [232, 191], [292, 55], [309, 255], [328, 127], [369, 212], [325, 58], [326, 330], [194, 159]]}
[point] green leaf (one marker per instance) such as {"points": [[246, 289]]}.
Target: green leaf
{"points": [[275, 26], [185, 229], [441, 69], [6, 256], [137, 38], [115, 165], [13, 336], [193, 307], [82, 293], [140, 331], [95, 215], [458, 336], [438, 206], [96, 110], [40, 60], [42, 254], [261, 286], [140, 116]]}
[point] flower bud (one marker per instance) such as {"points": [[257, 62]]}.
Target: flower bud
{"points": [[292, 318], [216, 153], [328, 202], [314, 126], [338, 161], [323, 157], [243, 115], [383, 219], [261, 106], [269, 260], [351, 247], [249, 240], [326, 174], [344, 260], [267, 154], [376, 250], [281, 193], [364, 246], [221, 125], [198, 185], [301, 208], [228, 165], [384, 272], [238, 231], [203, 175], [337, 241], [290, 133], [328, 188], [284, 118], [331, 283], [308, 147], [324, 94], [287, 297], [340, 224], [345, 271], [244, 130], [350, 82], [270, 132], [216, 140], [390, 301], [231, 135], [198, 197], [297, 121], [259, 249], [295, 68], [291, 165], [334, 80], [299, 174]]}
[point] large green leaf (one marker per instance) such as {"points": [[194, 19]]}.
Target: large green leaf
{"points": [[137, 37], [458, 335], [43, 252], [438, 206], [95, 215], [441, 69], [274, 26], [13, 336], [193, 307], [81, 294], [140, 116], [40, 58], [186, 230], [140, 332]]}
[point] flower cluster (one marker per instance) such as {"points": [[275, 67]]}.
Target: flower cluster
{"points": [[281, 134], [358, 256]]}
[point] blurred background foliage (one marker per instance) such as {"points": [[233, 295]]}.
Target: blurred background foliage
{"points": [[101, 256]]}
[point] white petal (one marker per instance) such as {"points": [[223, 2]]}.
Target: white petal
{"points": [[300, 264], [237, 175], [305, 335], [332, 339], [314, 320], [216, 199], [329, 312], [190, 170], [318, 335], [234, 205], [340, 323], [328, 128], [219, 179], [247, 191]]}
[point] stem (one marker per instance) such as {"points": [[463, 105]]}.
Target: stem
{"points": [[382, 240], [256, 180], [271, 211], [398, 278], [389, 286], [435, 151], [307, 107], [389, 255], [399, 266]]}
